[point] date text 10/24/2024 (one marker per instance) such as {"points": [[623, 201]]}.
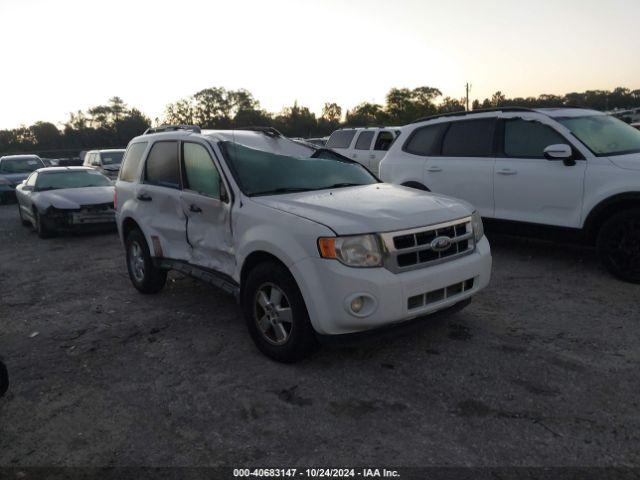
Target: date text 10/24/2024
{"points": [[315, 473]]}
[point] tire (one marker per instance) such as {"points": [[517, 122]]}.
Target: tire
{"points": [[25, 223], [618, 245], [41, 228], [276, 314], [144, 275]]}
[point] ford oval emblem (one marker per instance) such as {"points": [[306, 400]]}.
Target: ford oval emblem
{"points": [[440, 244]]}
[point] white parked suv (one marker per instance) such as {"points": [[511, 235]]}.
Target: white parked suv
{"points": [[308, 240], [563, 167], [367, 145]]}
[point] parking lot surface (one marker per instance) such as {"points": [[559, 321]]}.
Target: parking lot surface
{"points": [[540, 370]]}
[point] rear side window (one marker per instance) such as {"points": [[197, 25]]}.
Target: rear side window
{"points": [[426, 140], [341, 139], [469, 138], [131, 161], [364, 141], [162, 166], [528, 139], [384, 141]]}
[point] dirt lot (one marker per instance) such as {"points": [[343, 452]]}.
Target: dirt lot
{"points": [[541, 369]]}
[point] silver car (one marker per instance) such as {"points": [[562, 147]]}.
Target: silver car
{"points": [[65, 198]]}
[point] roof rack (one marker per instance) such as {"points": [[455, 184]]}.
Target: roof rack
{"points": [[269, 131], [481, 110], [172, 128]]}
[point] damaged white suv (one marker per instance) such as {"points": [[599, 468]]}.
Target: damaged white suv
{"points": [[309, 241]]}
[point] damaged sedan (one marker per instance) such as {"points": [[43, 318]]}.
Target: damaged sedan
{"points": [[65, 198]]}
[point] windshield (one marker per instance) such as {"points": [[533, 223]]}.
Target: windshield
{"points": [[71, 179], [111, 158], [604, 135], [264, 173], [20, 165]]}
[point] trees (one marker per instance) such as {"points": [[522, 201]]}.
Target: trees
{"points": [[115, 123]]}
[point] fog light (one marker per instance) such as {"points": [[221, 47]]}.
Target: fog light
{"points": [[357, 304]]}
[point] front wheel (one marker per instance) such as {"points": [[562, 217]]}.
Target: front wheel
{"points": [[144, 275], [618, 245], [276, 314], [41, 226]]}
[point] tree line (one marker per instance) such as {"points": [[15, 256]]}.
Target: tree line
{"points": [[115, 123]]}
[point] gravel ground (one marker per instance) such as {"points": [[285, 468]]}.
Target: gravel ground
{"points": [[540, 370]]}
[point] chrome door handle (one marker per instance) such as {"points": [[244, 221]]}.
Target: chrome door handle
{"points": [[507, 171], [434, 169]]}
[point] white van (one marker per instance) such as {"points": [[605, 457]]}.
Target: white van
{"points": [[367, 145]]}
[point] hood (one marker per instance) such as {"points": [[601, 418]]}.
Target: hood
{"points": [[15, 178], [75, 197], [380, 207], [628, 162]]}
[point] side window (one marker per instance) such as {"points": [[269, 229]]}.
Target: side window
{"points": [[426, 140], [364, 140], [384, 141], [201, 174], [31, 181], [341, 139], [528, 139], [469, 138], [162, 166], [131, 161]]}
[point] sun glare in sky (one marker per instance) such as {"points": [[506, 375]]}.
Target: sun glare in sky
{"points": [[66, 55]]}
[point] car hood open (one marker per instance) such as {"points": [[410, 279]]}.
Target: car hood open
{"points": [[75, 197], [379, 207]]}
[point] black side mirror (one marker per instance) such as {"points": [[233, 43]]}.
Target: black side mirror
{"points": [[560, 151]]}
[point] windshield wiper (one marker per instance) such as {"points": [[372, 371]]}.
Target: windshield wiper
{"points": [[282, 190], [345, 184]]}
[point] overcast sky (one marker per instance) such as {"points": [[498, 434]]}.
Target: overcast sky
{"points": [[65, 55]]}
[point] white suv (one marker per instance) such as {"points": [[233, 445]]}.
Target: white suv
{"points": [[562, 167], [366, 145], [308, 240]]}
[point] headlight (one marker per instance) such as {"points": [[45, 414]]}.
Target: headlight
{"points": [[353, 251], [478, 228]]}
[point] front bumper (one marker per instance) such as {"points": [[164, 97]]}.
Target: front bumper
{"points": [[75, 219], [329, 286]]}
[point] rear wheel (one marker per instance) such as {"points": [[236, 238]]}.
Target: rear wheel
{"points": [[618, 245], [276, 314], [144, 275]]}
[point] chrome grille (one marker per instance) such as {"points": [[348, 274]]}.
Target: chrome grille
{"points": [[425, 246]]}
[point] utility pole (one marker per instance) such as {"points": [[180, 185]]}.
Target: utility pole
{"points": [[467, 87]]}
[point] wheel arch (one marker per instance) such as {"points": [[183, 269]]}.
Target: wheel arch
{"points": [[255, 258], [129, 224], [603, 210]]}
